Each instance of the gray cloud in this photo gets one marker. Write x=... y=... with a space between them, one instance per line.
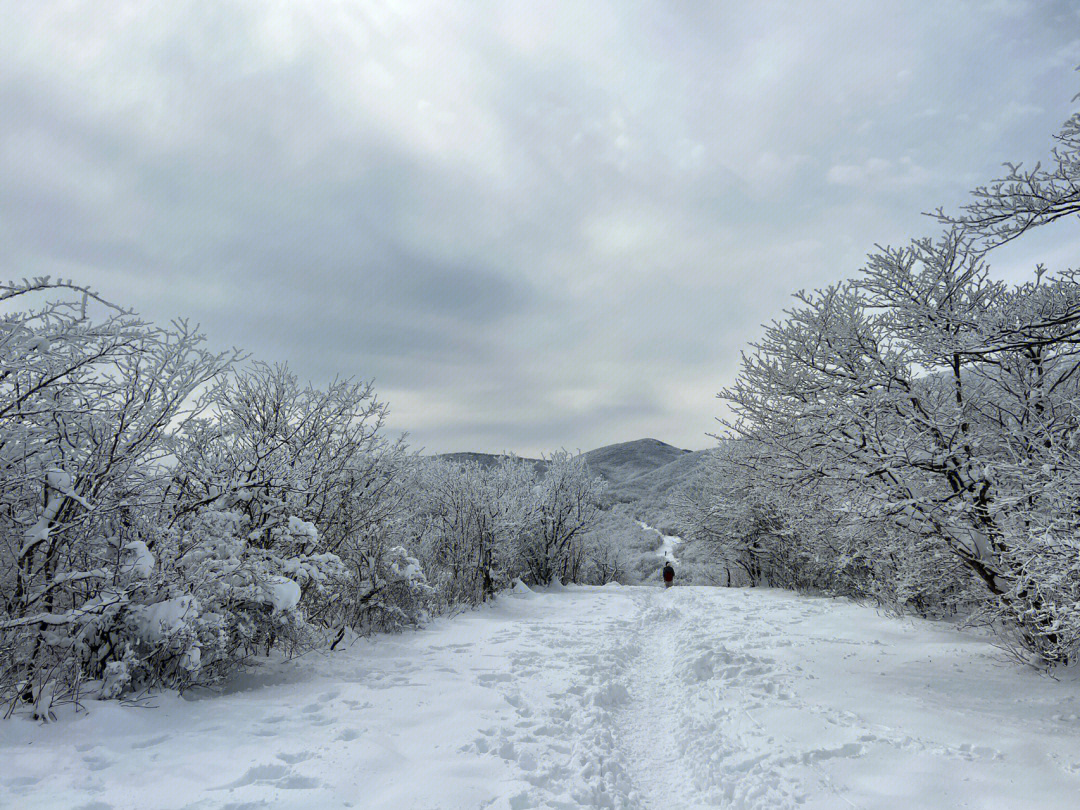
x=535 y=225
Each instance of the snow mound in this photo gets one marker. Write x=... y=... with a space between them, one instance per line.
x=522 y=591
x=281 y=593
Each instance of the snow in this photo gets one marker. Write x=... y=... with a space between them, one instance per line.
x=521 y=591
x=140 y=561
x=281 y=593
x=667 y=543
x=162 y=619
x=404 y=566
x=58 y=480
x=629 y=697
x=303 y=528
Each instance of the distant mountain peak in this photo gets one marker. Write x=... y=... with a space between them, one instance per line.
x=623 y=462
x=639 y=442
x=637 y=469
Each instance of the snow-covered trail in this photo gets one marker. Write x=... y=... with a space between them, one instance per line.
x=668 y=542
x=590 y=697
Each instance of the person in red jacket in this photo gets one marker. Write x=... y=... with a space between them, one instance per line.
x=669 y=575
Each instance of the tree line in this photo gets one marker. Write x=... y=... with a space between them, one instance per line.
x=911 y=434
x=167 y=512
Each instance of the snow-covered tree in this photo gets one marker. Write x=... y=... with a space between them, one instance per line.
x=89 y=396
x=310 y=475
x=164 y=515
x=473 y=517
x=930 y=397
x=566 y=504
x=1008 y=207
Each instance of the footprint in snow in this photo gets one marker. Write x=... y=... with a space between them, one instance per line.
x=150 y=742
x=96 y=762
x=279 y=776
x=297 y=782
x=258 y=775
x=495 y=677
x=293 y=759
x=22 y=781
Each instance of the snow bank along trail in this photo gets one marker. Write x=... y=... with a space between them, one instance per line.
x=590 y=698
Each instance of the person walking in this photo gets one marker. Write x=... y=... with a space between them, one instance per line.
x=669 y=574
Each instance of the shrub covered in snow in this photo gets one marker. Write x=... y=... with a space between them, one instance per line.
x=482 y=528
x=471 y=519
x=166 y=514
x=89 y=396
x=565 y=504
x=164 y=517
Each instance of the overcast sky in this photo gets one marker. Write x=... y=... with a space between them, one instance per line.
x=534 y=225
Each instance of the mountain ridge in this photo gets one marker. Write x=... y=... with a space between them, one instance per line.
x=617 y=463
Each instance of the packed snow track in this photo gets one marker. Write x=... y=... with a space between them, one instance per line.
x=589 y=698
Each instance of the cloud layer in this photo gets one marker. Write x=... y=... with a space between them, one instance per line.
x=533 y=224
